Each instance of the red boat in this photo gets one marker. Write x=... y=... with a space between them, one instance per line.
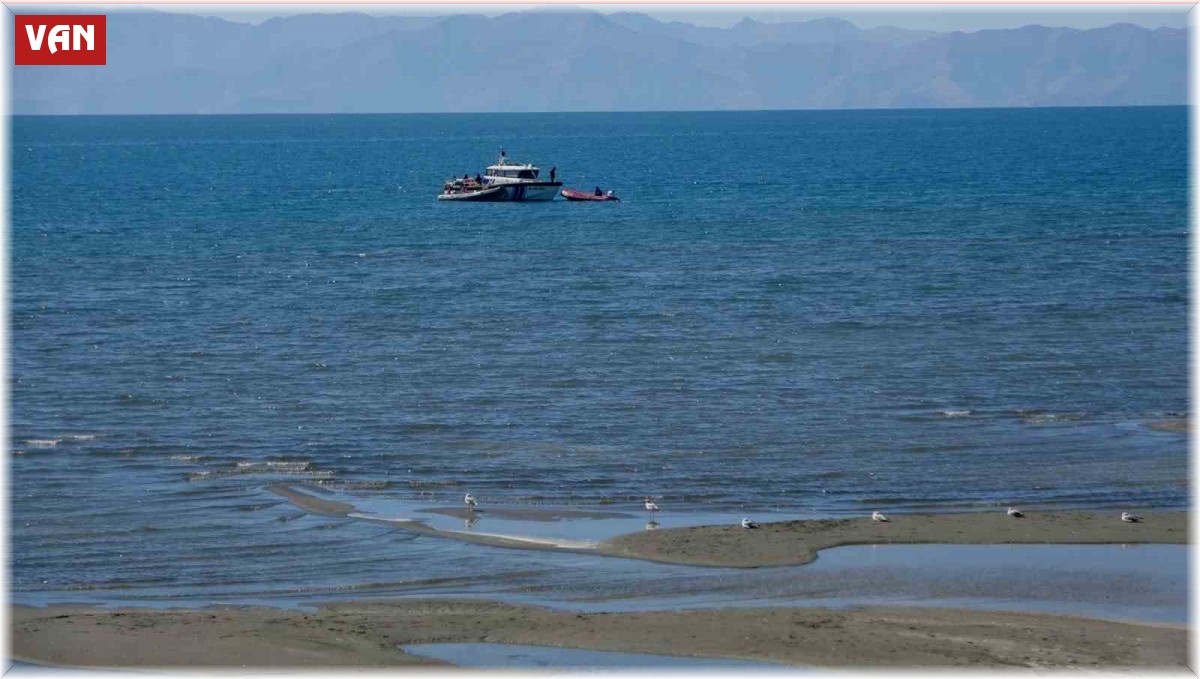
x=572 y=194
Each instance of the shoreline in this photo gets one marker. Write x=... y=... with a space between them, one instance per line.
x=368 y=634
x=795 y=543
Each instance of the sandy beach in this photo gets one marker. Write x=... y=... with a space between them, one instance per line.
x=367 y=635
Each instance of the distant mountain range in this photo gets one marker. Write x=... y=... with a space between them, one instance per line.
x=586 y=61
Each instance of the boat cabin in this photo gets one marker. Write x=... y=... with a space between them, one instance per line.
x=513 y=171
x=509 y=169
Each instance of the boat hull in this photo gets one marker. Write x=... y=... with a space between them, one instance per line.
x=483 y=195
x=530 y=191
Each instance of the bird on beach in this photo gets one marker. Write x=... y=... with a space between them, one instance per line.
x=1013 y=512
x=747 y=523
x=1130 y=518
x=878 y=516
x=469 y=501
x=651 y=507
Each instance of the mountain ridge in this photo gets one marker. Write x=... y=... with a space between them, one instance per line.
x=349 y=62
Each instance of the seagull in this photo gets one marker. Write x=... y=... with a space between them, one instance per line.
x=747 y=523
x=1014 y=513
x=1130 y=518
x=469 y=501
x=878 y=516
x=651 y=507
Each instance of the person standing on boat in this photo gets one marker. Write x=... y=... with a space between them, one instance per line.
x=552 y=171
x=598 y=192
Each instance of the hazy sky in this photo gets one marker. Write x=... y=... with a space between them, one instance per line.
x=968 y=17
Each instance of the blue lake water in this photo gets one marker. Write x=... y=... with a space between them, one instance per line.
x=792 y=313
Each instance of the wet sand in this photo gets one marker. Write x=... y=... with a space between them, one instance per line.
x=367 y=634
x=311 y=503
x=1179 y=426
x=523 y=513
x=492 y=539
x=793 y=543
x=324 y=507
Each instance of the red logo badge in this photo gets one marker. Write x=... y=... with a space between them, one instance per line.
x=60 y=40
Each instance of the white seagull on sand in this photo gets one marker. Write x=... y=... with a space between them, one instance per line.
x=1130 y=518
x=1013 y=512
x=878 y=516
x=747 y=523
x=469 y=501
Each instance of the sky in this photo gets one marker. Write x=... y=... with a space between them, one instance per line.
x=970 y=16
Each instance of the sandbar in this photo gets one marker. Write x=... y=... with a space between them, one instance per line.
x=310 y=503
x=792 y=543
x=366 y=634
x=1179 y=425
x=324 y=507
x=523 y=513
x=493 y=539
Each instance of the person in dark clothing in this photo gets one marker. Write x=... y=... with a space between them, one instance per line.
x=598 y=193
x=478 y=179
x=552 y=171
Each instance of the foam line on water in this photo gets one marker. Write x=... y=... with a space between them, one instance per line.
x=554 y=542
x=498 y=539
x=372 y=517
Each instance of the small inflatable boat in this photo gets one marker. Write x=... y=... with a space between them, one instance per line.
x=572 y=194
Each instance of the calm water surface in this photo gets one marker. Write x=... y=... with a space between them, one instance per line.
x=793 y=312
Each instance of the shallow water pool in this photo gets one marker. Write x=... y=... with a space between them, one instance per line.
x=505 y=656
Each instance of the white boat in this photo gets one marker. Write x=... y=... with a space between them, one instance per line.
x=494 y=193
x=457 y=189
x=519 y=180
x=470 y=189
